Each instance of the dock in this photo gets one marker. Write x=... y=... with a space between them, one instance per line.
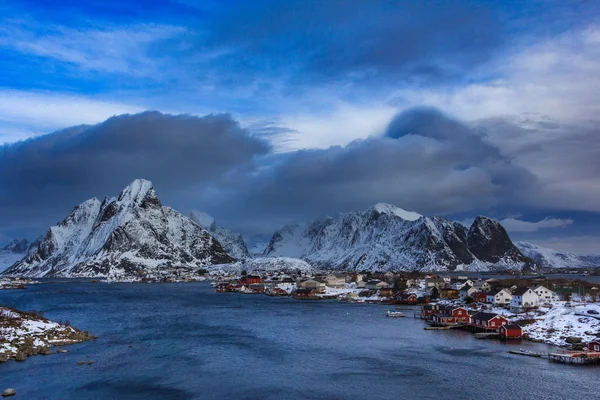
x=527 y=353
x=572 y=357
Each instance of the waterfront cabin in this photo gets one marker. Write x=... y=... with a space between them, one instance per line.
x=594 y=346
x=450 y=315
x=304 y=293
x=250 y=280
x=488 y=321
x=408 y=298
x=522 y=299
x=510 y=331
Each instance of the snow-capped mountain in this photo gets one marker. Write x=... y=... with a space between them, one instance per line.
x=549 y=258
x=131 y=235
x=232 y=242
x=15 y=251
x=385 y=237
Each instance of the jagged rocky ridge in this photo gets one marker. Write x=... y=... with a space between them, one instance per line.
x=131 y=235
x=233 y=243
x=385 y=237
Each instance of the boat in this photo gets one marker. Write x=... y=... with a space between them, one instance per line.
x=395 y=314
x=523 y=352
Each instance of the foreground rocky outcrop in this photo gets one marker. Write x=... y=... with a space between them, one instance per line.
x=132 y=235
x=24 y=334
x=385 y=237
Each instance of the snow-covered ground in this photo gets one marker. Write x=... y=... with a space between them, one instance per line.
x=554 y=325
x=25 y=334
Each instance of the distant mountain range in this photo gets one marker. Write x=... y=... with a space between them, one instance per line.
x=548 y=258
x=134 y=235
x=130 y=235
x=385 y=237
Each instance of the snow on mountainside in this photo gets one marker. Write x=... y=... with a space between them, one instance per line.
x=263 y=265
x=131 y=235
x=548 y=258
x=233 y=243
x=385 y=237
x=15 y=251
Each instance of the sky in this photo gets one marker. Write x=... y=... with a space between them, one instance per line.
x=265 y=112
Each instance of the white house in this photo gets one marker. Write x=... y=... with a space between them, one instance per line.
x=467 y=291
x=286 y=284
x=376 y=284
x=523 y=298
x=499 y=298
x=335 y=280
x=545 y=295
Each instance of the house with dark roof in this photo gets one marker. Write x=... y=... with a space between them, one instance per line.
x=488 y=321
x=510 y=331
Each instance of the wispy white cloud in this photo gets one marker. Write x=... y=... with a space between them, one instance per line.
x=516 y=225
x=108 y=49
x=27 y=114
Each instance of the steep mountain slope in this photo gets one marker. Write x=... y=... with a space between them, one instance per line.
x=15 y=251
x=385 y=237
x=232 y=242
x=548 y=258
x=131 y=235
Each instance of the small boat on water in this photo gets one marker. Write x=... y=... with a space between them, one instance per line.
x=523 y=352
x=395 y=314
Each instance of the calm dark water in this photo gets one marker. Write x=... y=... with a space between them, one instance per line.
x=188 y=342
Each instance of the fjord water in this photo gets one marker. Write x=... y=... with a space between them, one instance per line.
x=184 y=341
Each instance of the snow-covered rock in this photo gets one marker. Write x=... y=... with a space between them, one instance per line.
x=15 y=251
x=125 y=236
x=232 y=242
x=548 y=258
x=263 y=265
x=385 y=237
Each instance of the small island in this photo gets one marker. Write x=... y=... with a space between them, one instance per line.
x=24 y=334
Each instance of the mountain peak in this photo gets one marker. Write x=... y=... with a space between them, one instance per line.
x=137 y=191
x=389 y=209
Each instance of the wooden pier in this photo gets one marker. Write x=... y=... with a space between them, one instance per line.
x=575 y=357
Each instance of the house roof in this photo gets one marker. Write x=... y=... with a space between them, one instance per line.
x=520 y=291
x=484 y=316
x=511 y=326
x=466 y=287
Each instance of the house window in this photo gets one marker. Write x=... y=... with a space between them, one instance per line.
x=596 y=347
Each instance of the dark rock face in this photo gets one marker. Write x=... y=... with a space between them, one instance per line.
x=127 y=236
x=488 y=241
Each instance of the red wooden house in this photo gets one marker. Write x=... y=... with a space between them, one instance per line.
x=488 y=321
x=479 y=297
x=510 y=331
x=451 y=315
x=594 y=346
x=408 y=298
x=250 y=280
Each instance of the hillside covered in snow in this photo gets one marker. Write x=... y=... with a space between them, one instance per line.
x=385 y=237
x=549 y=258
x=15 y=251
x=130 y=235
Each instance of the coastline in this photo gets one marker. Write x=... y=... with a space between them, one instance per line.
x=25 y=334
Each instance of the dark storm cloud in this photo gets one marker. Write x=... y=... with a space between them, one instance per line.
x=356 y=40
x=427 y=162
x=43 y=178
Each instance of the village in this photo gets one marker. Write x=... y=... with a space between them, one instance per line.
x=560 y=312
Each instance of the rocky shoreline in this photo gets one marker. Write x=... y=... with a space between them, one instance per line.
x=24 y=334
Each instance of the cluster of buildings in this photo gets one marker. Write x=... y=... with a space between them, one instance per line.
x=517 y=298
